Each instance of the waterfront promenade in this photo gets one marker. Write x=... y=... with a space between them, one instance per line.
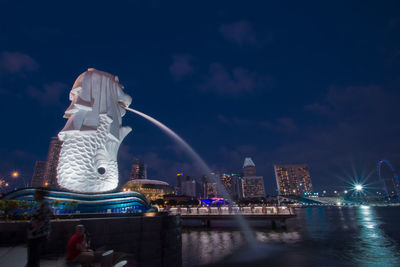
x=207 y=214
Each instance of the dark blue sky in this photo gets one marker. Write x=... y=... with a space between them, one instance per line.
x=295 y=82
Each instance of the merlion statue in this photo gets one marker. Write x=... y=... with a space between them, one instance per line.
x=93 y=133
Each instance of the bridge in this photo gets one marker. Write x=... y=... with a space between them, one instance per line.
x=206 y=214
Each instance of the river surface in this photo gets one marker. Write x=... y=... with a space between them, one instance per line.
x=318 y=236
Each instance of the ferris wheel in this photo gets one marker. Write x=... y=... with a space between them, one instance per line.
x=395 y=178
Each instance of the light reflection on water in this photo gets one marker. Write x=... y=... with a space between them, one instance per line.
x=336 y=236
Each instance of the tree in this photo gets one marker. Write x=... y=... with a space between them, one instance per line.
x=159 y=201
x=12 y=206
x=172 y=202
x=2 y=206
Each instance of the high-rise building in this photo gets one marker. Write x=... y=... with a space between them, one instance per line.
x=50 y=172
x=211 y=190
x=293 y=179
x=179 y=179
x=138 y=170
x=251 y=186
x=38 y=174
x=188 y=187
x=230 y=182
x=45 y=172
x=249 y=168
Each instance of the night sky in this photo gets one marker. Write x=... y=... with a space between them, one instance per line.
x=297 y=82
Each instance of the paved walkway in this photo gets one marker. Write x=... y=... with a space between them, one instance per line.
x=16 y=256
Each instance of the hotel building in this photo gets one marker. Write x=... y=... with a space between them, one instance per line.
x=293 y=179
x=251 y=186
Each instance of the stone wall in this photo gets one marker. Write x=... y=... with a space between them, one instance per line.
x=152 y=241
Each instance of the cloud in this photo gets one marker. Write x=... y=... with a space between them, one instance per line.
x=285 y=125
x=354 y=102
x=181 y=66
x=233 y=83
x=14 y=62
x=241 y=33
x=51 y=94
x=281 y=125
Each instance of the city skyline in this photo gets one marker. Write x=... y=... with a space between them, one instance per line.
x=283 y=84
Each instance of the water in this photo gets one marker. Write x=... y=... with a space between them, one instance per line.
x=320 y=236
x=204 y=167
x=334 y=236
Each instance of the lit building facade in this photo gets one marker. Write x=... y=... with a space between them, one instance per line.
x=38 y=174
x=45 y=172
x=231 y=184
x=251 y=186
x=50 y=171
x=249 y=168
x=179 y=179
x=151 y=189
x=293 y=179
x=188 y=188
x=138 y=170
x=211 y=190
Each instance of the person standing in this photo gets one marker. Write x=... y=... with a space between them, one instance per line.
x=39 y=228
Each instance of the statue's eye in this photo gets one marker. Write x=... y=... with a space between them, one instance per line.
x=101 y=170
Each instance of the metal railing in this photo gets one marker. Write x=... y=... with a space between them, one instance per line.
x=257 y=210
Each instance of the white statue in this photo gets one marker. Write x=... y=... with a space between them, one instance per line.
x=93 y=133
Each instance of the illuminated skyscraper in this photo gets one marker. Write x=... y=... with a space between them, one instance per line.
x=138 y=170
x=249 y=168
x=188 y=187
x=38 y=174
x=293 y=179
x=50 y=171
x=180 y=178
x=251 y=186
x=45 y=172
x=211 y=190
x=230 y=182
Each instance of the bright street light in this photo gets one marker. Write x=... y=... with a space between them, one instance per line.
x=358 y=187
x=14 y=174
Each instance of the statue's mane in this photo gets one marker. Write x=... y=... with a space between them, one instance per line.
x=93 y=93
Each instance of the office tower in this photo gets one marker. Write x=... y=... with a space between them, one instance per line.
x=251 y=186
x=45 y=172
x=179 y=179
x=293 y=179
x=229 y=181
x=38 y=174
x=138 y=170
x=188 y=187
x=211 y=190
x=202 y=187
x=50 y=170
x=249 y=168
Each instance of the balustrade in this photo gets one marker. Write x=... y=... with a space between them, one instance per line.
x=258 y=210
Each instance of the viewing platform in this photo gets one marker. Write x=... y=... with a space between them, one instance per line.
x=206 y=214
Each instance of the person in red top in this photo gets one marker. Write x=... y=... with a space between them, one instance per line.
x=78 y=248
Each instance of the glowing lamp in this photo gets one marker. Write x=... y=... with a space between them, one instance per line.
x=358 y=187
x=14 y=174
